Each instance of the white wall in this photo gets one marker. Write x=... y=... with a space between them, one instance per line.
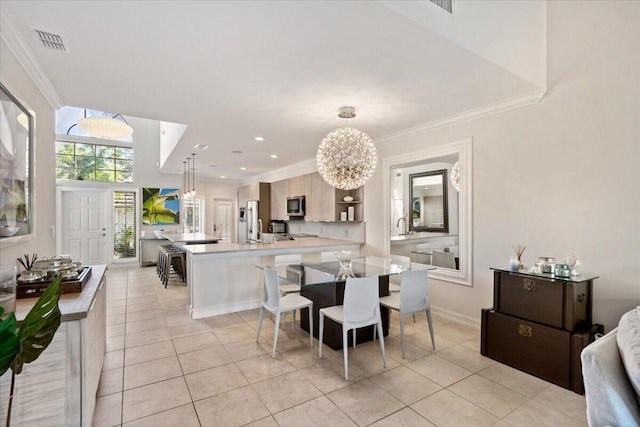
x=15 y=79
x=508 y=33
x=559 y=177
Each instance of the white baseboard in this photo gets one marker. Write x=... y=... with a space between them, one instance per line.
x=457 y=317
x=200 y=313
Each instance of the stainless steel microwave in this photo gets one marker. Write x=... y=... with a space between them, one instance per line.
x=295 y=206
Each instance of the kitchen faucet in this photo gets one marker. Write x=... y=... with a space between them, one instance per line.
x=404 y=228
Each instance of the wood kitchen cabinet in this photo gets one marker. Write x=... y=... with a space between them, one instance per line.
x=59 y=388
x=322 y=201
x=296 y=186
x=279 y=191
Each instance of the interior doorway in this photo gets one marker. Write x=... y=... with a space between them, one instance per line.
x=223 y=219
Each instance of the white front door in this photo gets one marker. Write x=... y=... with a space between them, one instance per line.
x=223 y=220
x=84 y=226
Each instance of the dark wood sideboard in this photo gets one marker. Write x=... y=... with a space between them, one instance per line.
x=539 y=324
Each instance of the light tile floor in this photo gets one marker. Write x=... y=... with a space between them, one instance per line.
x=164 y=369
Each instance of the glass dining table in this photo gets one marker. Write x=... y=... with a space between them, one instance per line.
x=323 y=283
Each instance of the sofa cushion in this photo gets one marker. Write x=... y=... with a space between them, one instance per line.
x=628 y=339
x=611 y=399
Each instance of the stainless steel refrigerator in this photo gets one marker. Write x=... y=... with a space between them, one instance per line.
x=254 y=231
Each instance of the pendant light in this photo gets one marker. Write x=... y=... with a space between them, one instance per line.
x=346 y=157
x=193 y=173
x=106 y=127
x=185 y=187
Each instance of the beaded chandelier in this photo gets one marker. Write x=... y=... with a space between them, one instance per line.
x=346 y=157
x=455 y=176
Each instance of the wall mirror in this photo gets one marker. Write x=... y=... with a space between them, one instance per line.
x=415 y=182
x=428 y=196
x=17 y=133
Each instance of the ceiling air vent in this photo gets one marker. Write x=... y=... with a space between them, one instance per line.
x=444 y=4
x=50 y=40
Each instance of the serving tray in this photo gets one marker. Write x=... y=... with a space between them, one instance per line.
x=68 y=286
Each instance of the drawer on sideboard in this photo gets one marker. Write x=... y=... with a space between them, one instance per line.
x=531 y=347
x=552 y=302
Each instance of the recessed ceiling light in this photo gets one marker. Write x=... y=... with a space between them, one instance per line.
x=259 y=138
x=222 y=176
x=236 y=152
x=243 y=168
x=201 y=146
x=274 y=156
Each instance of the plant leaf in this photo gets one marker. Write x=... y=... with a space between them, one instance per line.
x=39 y=327
x=9 y=344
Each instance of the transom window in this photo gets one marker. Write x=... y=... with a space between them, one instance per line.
x=93 y=162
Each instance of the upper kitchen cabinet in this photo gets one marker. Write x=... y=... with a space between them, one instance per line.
x=320 y=198
x=322 y=201
x=279 y=192
x=296 y=186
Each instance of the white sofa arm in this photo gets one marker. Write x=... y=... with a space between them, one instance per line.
x=611 y=400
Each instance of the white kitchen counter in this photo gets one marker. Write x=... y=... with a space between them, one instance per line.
x=224 y=278
x=284 y=247
x=190 y=238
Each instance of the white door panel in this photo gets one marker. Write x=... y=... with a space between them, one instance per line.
x=223 y=220
x=84 y=232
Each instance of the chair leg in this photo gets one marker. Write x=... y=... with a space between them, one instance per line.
x=260 y=323
x=414 y=318
x=433 y=342
x=402 y=333
x=345 y=352
x=384 y=356
x=275 y=335
x=321 y=334
x=311 y=326
x=294 y=322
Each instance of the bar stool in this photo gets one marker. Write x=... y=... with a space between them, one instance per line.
x=171 y=257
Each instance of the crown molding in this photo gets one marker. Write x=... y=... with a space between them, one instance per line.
x=10 y=35
x=467 y=116
x=301 y=168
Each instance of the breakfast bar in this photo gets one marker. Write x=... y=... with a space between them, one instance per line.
x=222 y=278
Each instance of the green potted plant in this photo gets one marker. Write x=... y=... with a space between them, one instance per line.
x=24 y=344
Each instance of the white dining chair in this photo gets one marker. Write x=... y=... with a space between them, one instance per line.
x=444 y=259
x=394 y=281
x=413 y=298
x=273 y=302
x=361 y=307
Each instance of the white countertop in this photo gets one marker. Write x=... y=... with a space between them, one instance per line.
x=72 y=306
x=300 y=243
x=422 y=235
x=189 y=237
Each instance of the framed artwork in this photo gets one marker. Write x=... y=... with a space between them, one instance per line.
x=17 y=136
x=160 y=206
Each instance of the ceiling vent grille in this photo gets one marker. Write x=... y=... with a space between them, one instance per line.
x=444 y=4
x=50 y=40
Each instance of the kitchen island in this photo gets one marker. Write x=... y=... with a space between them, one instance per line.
x=180 y=239
x=59 y=389
x=223 y=278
